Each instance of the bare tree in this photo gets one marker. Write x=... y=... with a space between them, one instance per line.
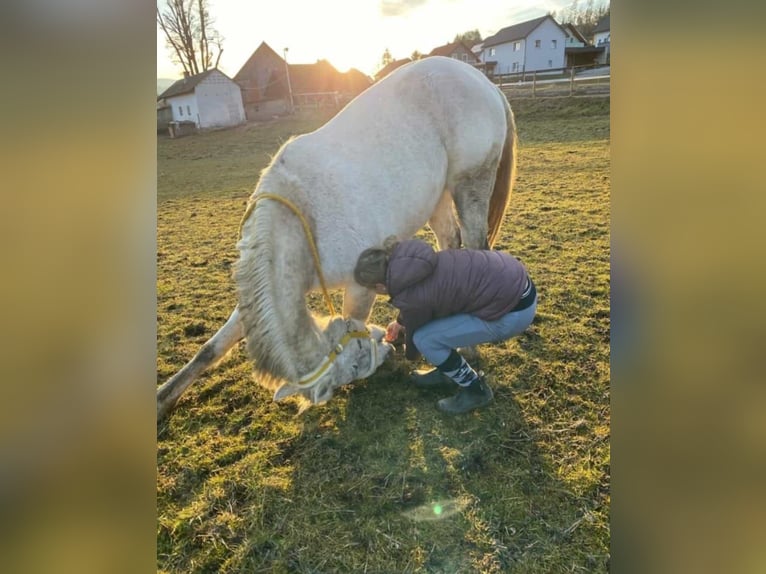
x=190 y=35
x=585 y=17
x=471 y=37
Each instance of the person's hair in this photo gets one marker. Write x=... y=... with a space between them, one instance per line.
x=372 y=264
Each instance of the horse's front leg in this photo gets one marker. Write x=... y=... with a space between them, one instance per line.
x=357 y=302
x=211 y=352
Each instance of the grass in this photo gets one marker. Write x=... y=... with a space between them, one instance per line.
x=377 y=480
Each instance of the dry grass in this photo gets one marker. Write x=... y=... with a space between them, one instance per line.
x=246 y=485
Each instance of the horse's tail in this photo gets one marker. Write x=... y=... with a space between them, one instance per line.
x=506 y=174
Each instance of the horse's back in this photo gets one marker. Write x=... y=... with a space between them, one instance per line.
x=381 y=165
x=435 y=102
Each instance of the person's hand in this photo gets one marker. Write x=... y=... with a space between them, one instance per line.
x=393 y=331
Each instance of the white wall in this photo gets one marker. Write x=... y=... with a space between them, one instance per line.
x=600 y=37
x=603 y=39
x=220 y=102
x=506 y=57
x=546 y=56
x=184 y=108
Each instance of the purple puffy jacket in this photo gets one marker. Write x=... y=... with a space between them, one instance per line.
x=426 y=285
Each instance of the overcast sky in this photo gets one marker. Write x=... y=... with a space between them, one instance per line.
x=352 y=33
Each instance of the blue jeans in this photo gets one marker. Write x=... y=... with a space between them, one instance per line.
x=437 y=339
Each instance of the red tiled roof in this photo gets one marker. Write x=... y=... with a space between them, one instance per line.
x=449 y=49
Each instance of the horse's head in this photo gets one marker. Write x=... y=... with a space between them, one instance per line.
x=356 y=351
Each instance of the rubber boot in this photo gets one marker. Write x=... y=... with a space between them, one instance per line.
x=476 y=395
x=430 y=379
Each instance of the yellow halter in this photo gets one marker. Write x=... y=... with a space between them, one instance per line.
x=306 y=229
x=309 y=380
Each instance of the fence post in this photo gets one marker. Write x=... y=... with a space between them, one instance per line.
x=571 y=81
x=534 y=84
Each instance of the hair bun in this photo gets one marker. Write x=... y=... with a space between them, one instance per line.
x=389 y=243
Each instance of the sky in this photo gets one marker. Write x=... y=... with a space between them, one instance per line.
x=351 y=33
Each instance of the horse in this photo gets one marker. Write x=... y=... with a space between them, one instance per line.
x=433 y=142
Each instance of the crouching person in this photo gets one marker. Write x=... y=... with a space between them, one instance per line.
x=447 y=300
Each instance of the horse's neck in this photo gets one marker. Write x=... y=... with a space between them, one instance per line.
x=273 y=274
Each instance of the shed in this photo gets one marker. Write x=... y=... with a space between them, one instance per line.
x=209 y=100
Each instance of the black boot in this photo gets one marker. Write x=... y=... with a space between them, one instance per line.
x=475 y=396
x=430 y=379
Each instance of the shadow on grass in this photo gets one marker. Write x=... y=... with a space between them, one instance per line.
x=381 y=480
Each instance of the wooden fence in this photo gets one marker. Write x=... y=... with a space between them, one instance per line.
x=561 y=82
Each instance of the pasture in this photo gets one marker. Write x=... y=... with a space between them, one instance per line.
x=378 y=480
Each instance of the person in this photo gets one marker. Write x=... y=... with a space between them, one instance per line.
x=447 y=300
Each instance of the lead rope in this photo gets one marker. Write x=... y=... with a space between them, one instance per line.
x=311 y=378
x=306 y=229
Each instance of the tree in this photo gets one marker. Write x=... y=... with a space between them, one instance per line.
x=584 y=18
x=469 y=38
x=416 y=55
x=386 y=59
x=190 y=35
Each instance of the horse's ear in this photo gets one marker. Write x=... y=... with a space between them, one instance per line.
x=286 y=390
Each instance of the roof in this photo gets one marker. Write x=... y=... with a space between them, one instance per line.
x=602 y=25
x=449 y=49
x=316 y=78
x=516 y=32
x=187 y=85
x=262 y=50
x=574 y=32
x=390 y=67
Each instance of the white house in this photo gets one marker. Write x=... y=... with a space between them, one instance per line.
x=574 y=38
x=210 y=100
x=535 y=45
x=602 y=37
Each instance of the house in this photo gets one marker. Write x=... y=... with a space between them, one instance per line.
x=390 y=67
x=208 y=100
x=164 y=116
x=456 y=50
x=487 y=67
x=534 y=45
x=602 y=38
x=574 y=38
x=578 y=51
x=271 y=86
x=264 y=70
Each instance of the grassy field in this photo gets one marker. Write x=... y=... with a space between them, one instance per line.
x=378 y=480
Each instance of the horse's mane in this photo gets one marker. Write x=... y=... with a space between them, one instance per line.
x=271 y=337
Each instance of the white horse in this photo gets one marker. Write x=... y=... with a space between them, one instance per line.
x=434 y=142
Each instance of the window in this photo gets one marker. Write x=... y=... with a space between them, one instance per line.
x=181 y=110
x=554 y=43
x=537 y=43
x=188 y=110
x=516 y=46
x=491 y=51
x=515 y=67
x=550 y=63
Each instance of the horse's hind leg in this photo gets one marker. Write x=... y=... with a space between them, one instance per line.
x=471 y=193
x=211 y=352
x=444 y=224
x=357 y=302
